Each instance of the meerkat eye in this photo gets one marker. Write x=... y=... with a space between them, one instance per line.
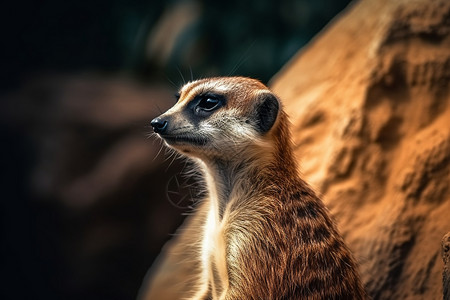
x=205 y=104
x=208 y=103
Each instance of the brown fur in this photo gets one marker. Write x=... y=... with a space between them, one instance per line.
x=266 y=234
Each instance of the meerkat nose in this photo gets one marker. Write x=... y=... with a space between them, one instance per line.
x=159 y=125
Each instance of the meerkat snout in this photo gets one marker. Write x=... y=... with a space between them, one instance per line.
x=159 y=125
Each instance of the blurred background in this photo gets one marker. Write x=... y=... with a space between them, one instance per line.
x=88 y=195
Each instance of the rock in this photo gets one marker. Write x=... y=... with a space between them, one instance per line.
x=369 y=100
x=445 y=252
x=378 y=148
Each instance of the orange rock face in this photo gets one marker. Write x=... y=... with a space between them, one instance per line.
x=370 y=106
x=369 y=100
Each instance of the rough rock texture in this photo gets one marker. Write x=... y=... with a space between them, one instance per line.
x=370 y=106
x=446 y=258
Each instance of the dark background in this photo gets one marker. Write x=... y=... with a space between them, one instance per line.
x=87 y=201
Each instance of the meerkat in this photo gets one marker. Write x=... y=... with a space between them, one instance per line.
x=265 y=234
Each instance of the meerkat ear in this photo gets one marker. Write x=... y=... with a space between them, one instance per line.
x=266 y=111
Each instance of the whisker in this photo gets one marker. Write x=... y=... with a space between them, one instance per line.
x=160 y=149
x=171 y=82
x=181 y=74
x=192 y=74
x=159 y=108
x=241 y=60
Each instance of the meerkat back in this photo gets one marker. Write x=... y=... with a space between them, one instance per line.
x=261 y=233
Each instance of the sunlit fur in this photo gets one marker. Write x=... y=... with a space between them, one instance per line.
x=264 y=234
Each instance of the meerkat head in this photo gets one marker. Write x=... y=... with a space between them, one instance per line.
x=219 y=117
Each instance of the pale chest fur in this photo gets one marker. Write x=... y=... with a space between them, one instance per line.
x=213 y=254
x=216 y=242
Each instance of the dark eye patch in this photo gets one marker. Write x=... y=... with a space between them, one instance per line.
x=205 y=104
x=208 y=103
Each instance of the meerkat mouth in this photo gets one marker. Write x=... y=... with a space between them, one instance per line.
x=185 y=139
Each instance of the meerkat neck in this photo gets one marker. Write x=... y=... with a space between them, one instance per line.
x=249 y=171
x=219 y=177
